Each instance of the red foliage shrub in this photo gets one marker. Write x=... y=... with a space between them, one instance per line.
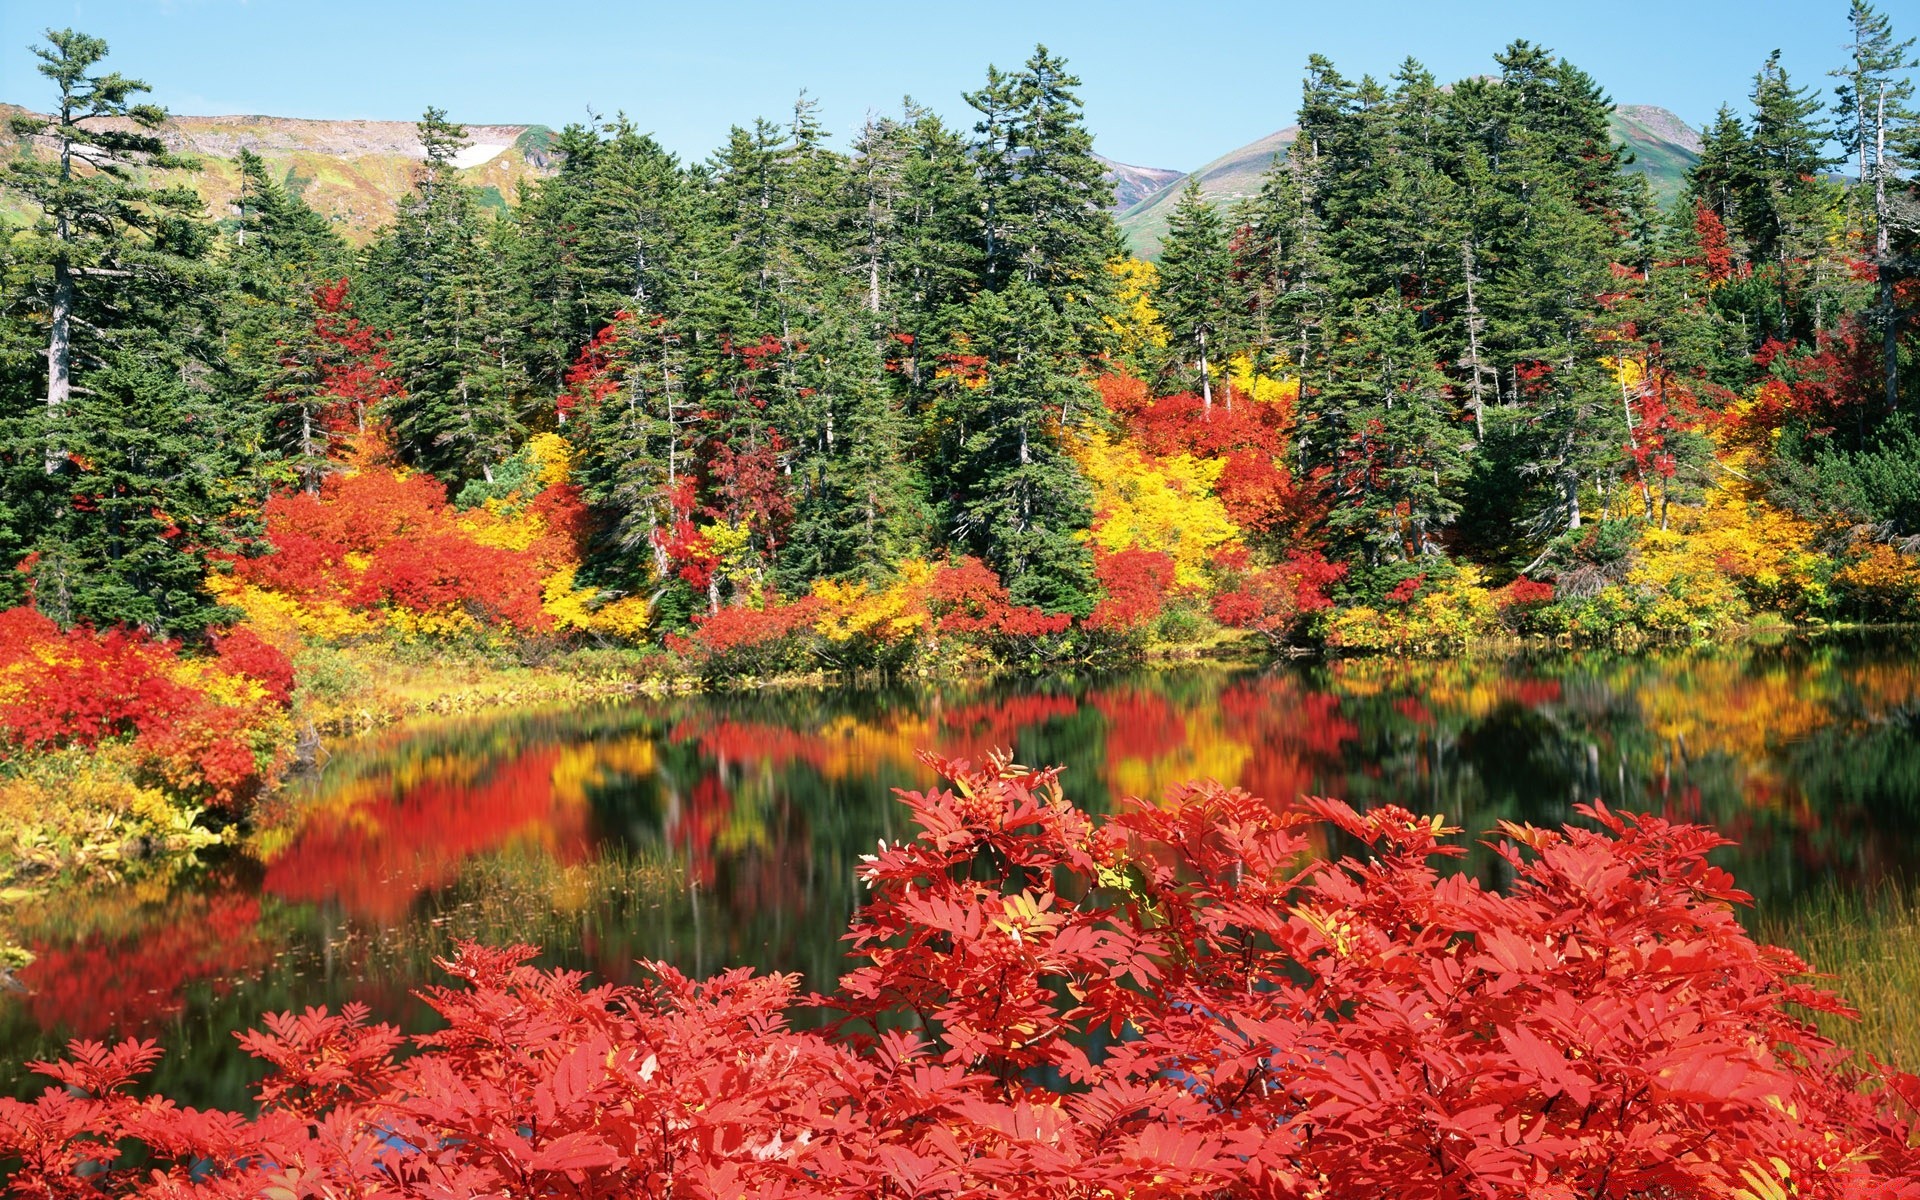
x=1716 y=255
x=450 y=571
x=82 y=687
x=968 y=599
x=1277 y=600
x=311 y=536
x=416 y=556
x=1524 y=591
x=1406 y=589
x=1180 y=1002
x=1136 y=583
x=738 y=640
x=242 y=652
x=1823 y=386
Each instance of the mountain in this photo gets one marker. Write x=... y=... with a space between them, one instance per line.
x=351 y=172
x=1226 y=179
x=1133 y=184
x=355 y=172
x=1664 y=149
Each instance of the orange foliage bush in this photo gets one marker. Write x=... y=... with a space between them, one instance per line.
x=382 y=542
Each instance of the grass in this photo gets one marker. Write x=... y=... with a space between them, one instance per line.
x=366 y=687
x=1869 y=944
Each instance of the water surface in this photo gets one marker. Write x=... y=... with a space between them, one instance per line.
x=719 y=831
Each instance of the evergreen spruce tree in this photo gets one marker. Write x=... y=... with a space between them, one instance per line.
x=445 y=285
x=634 y=433
x=1782 y=197
x=98 y=227
x=857 y=508
x=609 y=232
x=281 y=254
x=1874 y=122
x=1013 y=496
x=1396 y=449
x=1194 y=290
x=122 y=459
x=155 y=497
x=1718 y=179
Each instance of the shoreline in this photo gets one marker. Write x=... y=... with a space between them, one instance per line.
x=402 y=690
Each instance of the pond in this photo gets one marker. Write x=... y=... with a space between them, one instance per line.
x=726 y=830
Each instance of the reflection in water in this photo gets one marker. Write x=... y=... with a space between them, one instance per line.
x=720 y=831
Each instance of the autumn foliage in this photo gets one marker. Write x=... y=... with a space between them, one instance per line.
x=380 y=549
x=1179 y=1001
x=205 y=728
x=1137 y=584
x=1276 y=601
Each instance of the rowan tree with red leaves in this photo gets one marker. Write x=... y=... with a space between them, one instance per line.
x=1179 y=1001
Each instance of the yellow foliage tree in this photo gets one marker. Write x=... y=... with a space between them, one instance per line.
x=858 y=610
x=1166 y=504
x=1264 y=389
x=1135 y=322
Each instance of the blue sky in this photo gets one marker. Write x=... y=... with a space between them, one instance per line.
x=1169 y=84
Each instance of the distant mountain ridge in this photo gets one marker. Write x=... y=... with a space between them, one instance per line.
x=1664 y=147
x=355 y=172
x=351 y=172
x=1133 y=184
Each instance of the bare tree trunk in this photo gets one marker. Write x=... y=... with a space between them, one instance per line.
x=306 y=450
x=59 y=355
x=1474 y=366
x=60 y=326
x=1633 y=443
x=1206 y=378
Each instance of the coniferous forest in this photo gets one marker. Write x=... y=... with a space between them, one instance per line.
x=1451 y=350
x=1451 y=380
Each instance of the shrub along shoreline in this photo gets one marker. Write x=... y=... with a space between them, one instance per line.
x=119 y=748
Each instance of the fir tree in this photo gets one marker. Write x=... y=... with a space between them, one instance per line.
x=1194 y=286
x=447 y=288
x=1012 y=495
x=98 y=228
x=126 y=468
x=1394 y=445
x=1873 y=123
x=609 y=232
